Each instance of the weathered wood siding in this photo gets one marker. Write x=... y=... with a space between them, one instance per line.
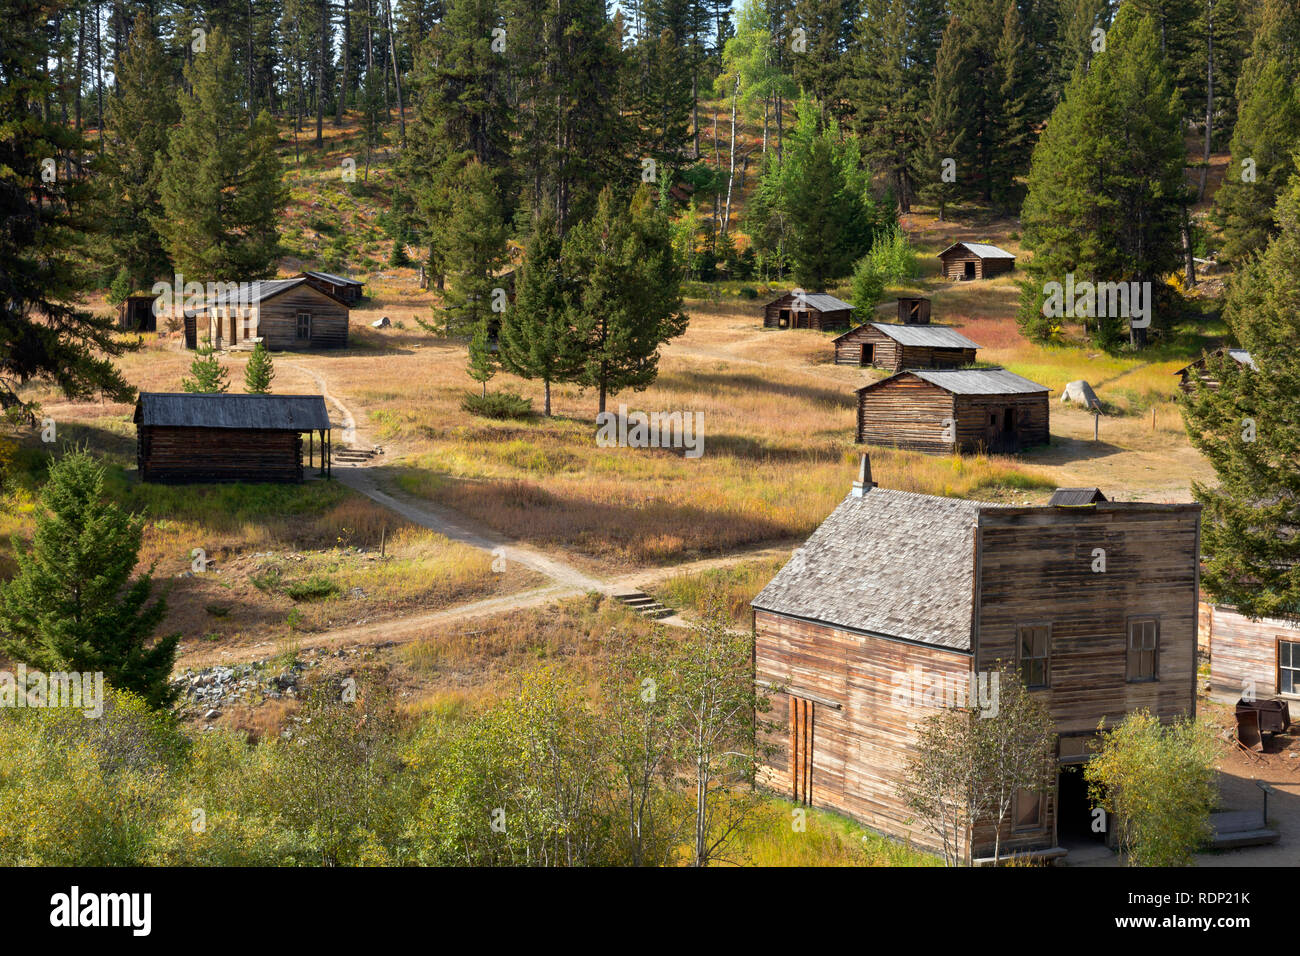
x=914 y=310
x=953 y=265
x=277 y=320
x=1036 y=567
x=867 y=696
x=905 y=413
x=976 y=431
x=889 y=354
x=178 y=455
x=1243 y=652
x=862 y=736
x=806 y=318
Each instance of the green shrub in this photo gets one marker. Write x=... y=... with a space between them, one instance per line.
x=315 y=588
x=497 y=405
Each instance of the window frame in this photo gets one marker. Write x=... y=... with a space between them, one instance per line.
x=1293 y=666
x=1046 y=658
x=1039 y=814
x=299 y=325
x=1129 y=678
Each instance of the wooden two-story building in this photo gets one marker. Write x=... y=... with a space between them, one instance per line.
x=896 y=589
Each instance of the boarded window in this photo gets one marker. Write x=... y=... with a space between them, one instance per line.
x=1143 y=648
x=801 y=747
x=1028 y=810
x=1032 y=652
x=1288 y=667
x=304 y=325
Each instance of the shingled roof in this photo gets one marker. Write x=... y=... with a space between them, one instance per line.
x=892 y=563
x=201 y=410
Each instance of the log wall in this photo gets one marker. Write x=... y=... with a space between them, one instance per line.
x=180 y=455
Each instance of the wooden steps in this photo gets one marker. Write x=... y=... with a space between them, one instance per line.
x=644 y=604
x=353 y=456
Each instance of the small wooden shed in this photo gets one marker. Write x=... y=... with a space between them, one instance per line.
x=897 y=347
x=914 y=310
x=974 y=260
x=282 y=314
x=1257 y=657
x=807 y=310
x=185 y=437
x=348 y=290
x=945 y=411
x=1198 y=370
x=1076 y=497
x=136 y=314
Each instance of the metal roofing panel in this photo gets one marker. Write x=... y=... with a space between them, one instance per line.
x=933 y=336
x=201 y=410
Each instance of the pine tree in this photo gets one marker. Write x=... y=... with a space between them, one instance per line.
x=1013 y=123
x=473 y=246
x=631 y=301
x=208 y=374
x=537 y=338
x=141 y=114
x=829 y=230
x=939 y=172
x=258 y=373
x=1248 y=430
x=1106 y=186
x=1266 y=135
x=73 y=603
x=45 y=219
x=222 y=191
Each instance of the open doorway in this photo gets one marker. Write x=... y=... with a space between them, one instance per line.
x=868 y=354
x=969 y=270
x=1075 y=818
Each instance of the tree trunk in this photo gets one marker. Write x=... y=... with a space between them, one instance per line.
x=547 y=385
x=1209 y=97
x=731 y=176
x=320 y=74
x=343 y=83
x=397 y=79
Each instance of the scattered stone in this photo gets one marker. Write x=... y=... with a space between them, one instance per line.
x=381 y=323
x=213 y=714
x=1080 y=393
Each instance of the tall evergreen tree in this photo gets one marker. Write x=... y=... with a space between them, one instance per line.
x=474 y=244
x=630 y=303
x=938 y=173
x=222 y=190
x=1106 y=187
x=537 y=338
x=74 y=603
x=1266 y=135
x=45 y=217
x=141 y=115
x=1248 y=430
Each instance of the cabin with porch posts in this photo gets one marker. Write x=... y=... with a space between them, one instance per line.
x=184 y=437
x=807 y=310
x=282 y=314
x=948 y=411
x=897 y=347
x=901 y=602
x=974 y=260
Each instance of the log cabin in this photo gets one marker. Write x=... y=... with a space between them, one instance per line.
x=951 y=411
x=913 y=310
x=184 y=437
x=1198 y=371
x=807 y=310
x=282 y=314
x=974 y=260
x=899 y=598
x=1253 y=657
x=346 y=290
x=136 y=314
x=897 y=347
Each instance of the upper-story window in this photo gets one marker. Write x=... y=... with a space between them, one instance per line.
x=1033 y=651
x=1143 y=649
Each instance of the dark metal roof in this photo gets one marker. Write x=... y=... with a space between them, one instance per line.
x=1073 y=497
x=889 y=562
x=970 y=381
x=330 y=277
x=818 y=301
x=298 y=413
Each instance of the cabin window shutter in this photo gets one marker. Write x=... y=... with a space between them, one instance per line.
x=1143 y=649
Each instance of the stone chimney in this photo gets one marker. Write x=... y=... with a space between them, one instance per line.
x=863 y=484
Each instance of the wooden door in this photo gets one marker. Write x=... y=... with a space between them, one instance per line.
x=802 y=723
